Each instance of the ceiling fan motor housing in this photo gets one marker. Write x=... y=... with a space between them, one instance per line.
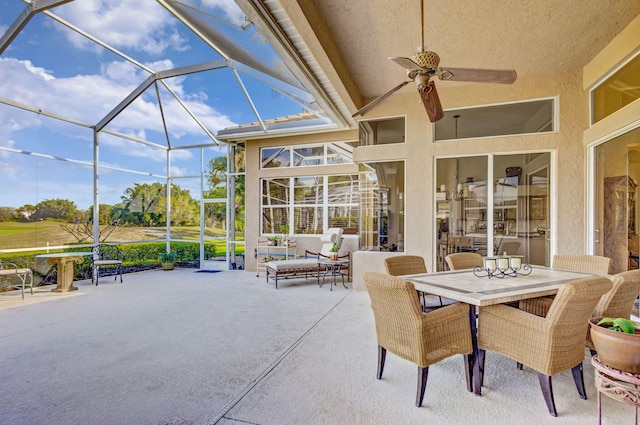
x=426 y=59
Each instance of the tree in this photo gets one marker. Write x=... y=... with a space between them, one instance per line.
x=6 y=213
x=60 y=209
x=104 y=214
x=141 y=202
x=184 y=209
x=82 y=229
x=25 y=212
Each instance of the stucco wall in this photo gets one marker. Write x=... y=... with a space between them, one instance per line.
x=567 y=147
x=420 y=151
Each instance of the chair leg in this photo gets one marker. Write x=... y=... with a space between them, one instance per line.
x=468 y=371
x=518 y=365
x=382 y=355
x=547 y=393
x=423 y=373
x=578 y=378
x=481 y=357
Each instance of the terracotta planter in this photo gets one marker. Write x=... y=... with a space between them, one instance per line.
x=616 y=349
x=333 y=256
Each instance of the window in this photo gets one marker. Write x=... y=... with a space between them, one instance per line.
x=617 y=91
x=382 y=206
x=311 y=203
x=528 y=117
x=381 y=132
x=307 y=155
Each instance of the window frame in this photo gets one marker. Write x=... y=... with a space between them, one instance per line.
x=292 y=206
x=555 y=124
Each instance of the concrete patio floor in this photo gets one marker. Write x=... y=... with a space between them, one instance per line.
x=226 y=348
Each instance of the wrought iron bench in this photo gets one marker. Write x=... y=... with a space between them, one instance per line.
x=13 y=270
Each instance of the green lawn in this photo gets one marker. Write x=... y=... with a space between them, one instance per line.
x=22 y=235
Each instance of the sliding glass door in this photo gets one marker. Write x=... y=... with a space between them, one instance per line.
x=493 y=204
x=616 y=176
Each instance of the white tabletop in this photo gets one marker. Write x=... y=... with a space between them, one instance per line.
x=464 y=286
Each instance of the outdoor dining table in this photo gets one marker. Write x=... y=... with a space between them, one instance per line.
x=466 y=287
x=64 y=262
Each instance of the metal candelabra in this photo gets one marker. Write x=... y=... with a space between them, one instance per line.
x=502 y=266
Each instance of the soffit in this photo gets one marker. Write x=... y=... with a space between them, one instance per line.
x=534 y=38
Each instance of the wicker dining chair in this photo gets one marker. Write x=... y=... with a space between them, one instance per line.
x=422 y=338
x=463 y=260
x=581 y=263
x=398 y=265
x=550 y=344
x=618 y=302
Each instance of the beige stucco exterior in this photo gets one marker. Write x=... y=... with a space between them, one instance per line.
x=568 y=147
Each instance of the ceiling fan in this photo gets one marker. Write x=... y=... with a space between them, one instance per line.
x=423 y=66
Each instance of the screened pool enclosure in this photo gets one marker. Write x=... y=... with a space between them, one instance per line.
x=122 y=121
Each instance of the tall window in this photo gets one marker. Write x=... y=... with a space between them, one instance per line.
x=311 y=203
x=382 y=206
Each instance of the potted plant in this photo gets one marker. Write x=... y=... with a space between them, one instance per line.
x=273 y=241
x=617 y=342
x=168 y=260
x=334 y=252
x=284 y=229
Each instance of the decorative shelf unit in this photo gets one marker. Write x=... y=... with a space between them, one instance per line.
x=619 y=222
x=266 y=251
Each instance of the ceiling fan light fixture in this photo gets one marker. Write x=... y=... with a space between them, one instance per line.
x=422 y=82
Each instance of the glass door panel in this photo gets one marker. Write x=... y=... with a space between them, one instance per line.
x=521 y=206
x=215 y=236
x=617 y=173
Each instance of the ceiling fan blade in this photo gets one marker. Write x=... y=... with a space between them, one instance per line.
x=408 y=64
x=500 y=76
x=379 y=99
x=431 y=102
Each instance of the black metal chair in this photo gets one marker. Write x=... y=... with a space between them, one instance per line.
x=106 y=257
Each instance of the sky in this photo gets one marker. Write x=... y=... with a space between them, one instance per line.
x=55 y=69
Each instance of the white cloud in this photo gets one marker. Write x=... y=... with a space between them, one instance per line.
x=88 y=98
x=230 y=9
x=141 y=25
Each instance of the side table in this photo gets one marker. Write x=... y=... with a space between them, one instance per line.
x=617 y=384
x=64 y=262
x=333 y=268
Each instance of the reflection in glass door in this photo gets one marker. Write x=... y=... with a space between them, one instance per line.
x=616 y=176
x=494 y=205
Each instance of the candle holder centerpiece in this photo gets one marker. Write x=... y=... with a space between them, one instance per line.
x=501 y=266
